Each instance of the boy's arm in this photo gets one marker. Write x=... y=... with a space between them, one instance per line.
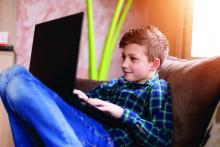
x=158 y=130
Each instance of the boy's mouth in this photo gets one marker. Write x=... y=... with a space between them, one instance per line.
x=126 y=72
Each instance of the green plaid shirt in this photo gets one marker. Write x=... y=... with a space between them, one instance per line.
x=147 y=111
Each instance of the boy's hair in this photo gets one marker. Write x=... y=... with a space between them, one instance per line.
x=156 y=42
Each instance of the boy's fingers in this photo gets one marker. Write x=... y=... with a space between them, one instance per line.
x=76 y=91
x=95 y=102
x=80 y=94
x=104 y=109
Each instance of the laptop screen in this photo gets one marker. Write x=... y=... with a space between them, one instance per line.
x=55 y=51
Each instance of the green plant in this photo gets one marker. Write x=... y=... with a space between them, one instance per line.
x=110 y=41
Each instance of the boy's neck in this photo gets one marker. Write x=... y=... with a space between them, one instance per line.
x=150 y=77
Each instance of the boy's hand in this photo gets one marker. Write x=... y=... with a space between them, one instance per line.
x=81 y=95
x=107 y=107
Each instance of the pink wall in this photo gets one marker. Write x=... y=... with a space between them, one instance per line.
x=31 y=12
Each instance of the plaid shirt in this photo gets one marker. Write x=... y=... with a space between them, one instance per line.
x=147 y=111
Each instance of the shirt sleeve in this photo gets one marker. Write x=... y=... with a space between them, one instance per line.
x=158 y=130
x=103 y=91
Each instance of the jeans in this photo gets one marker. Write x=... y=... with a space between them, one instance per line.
x=39 y=117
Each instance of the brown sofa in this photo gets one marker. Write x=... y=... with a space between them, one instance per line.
x=195 y=89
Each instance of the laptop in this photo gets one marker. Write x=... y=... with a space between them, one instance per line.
x=54 y=60
x=54 y=53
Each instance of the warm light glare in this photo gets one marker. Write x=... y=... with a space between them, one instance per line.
x=206 y=28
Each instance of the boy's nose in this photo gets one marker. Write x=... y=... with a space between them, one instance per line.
x=125 y=64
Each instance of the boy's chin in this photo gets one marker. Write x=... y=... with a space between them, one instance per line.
x=129 y=79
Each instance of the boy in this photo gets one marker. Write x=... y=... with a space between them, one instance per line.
x=138 y=99
x=143 y=102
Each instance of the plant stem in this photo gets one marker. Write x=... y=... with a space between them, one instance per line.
x=91 y=39
x=105 y=63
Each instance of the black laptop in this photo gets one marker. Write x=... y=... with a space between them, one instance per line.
x=55 y=53
x=54 y=59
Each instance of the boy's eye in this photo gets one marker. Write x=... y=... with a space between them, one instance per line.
x=123 y=57
x=134 y=59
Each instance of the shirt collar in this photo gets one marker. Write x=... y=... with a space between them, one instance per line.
x=148 y=82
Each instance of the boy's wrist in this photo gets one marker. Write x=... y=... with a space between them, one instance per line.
x=126 y=115
x=129 y=117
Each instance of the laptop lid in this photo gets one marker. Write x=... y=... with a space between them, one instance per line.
x=55 y=53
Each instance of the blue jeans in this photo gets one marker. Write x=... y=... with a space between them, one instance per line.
x=39 y=117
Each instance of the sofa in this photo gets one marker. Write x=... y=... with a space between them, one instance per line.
x=195 y=88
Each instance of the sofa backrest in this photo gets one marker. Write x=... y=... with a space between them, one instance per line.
x=195 y=90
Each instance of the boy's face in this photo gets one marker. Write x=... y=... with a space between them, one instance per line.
x=135 y=64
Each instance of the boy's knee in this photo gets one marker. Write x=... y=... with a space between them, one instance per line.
x=7 y=75
x=16 y=90
x=19 y=94
x=14 y=70
x=11 y=72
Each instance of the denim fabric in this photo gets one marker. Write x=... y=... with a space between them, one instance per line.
x=39 y=117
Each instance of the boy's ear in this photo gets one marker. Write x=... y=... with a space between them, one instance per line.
x=155 y=64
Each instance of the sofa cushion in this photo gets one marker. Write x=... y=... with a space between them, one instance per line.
x=212 y=135
x=195 y=90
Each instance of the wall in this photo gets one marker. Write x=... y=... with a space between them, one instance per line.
x=31 y=12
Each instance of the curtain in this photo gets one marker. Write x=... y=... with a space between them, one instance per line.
x=174 y=19
x=184 y=29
